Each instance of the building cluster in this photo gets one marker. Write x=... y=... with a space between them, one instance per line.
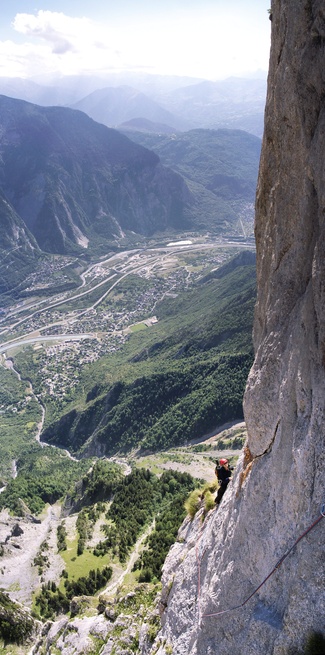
x=107 y=323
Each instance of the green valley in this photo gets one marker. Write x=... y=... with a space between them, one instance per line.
x=163 y=385
x=111 y=388
x=113 y=392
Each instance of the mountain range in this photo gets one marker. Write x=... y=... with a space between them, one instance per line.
x=215 y=163
x=233 y=103
x=70 y=185
x=236 y=103
x=53 y=90
x=114 y=105
x=74 y=182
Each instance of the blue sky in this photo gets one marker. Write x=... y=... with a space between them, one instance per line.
x=211 y=39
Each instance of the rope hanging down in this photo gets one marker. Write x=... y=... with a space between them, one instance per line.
x=278 y=564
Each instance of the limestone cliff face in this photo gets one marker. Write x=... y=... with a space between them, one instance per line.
x=278 y=489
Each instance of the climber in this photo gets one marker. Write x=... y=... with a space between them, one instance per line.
x=223 y=473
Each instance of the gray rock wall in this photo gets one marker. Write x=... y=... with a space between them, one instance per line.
x=278 y=487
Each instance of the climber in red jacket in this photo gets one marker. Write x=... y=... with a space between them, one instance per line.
x=223 y=473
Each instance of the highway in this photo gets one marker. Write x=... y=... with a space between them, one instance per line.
x=123 y=264
x=9 y=345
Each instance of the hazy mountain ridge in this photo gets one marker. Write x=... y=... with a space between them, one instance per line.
x=222 y=161
x=147 y=126
x=72 y=180
x=235 y=103
x=219 y=166
x=114 y=105
x=49 y=89
x=75 y=185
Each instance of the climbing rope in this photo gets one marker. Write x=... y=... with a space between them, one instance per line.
x=278 y=564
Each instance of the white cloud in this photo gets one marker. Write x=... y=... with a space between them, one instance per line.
x=20 y=60
x=182 y=42
x=57 y=42
x=61 y=32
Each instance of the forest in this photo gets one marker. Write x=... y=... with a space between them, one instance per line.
x=136 y=500
x=171 y=383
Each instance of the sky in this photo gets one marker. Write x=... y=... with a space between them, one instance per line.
x=210 y=39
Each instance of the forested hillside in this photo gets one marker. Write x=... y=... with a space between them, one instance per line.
x=219 y=167
x=175 y=382
x=224 y=162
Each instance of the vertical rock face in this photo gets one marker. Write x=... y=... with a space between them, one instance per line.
x=278 y=489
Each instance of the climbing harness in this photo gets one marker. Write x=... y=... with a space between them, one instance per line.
x=278 y=564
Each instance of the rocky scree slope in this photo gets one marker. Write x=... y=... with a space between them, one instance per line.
x=19 y=252
x=278 y=488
